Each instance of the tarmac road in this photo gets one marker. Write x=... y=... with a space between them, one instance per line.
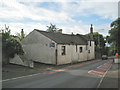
x=84 y=75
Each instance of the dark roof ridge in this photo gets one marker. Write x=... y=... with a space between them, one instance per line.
x=54 y=32
x=64 y=38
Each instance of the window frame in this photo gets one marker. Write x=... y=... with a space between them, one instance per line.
x=90 y=43
x=80 y=49
x=63 y=50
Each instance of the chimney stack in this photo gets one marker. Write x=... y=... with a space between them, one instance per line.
x=22 y=34
x=91 y=32
x=91 y=29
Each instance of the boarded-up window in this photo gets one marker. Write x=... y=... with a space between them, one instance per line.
x=63 y=50
x=81 y=49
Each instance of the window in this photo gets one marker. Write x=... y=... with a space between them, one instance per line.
x=90 y=43
x=63 y=50
x=81 y=49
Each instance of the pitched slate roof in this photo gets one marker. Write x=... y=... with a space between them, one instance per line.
x=65 y=38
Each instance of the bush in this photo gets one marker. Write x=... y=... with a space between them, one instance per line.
x=13 y=47
x=10 y=45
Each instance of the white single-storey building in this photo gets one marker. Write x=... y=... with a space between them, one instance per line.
x=57 y=48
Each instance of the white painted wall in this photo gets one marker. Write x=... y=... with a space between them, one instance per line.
x=63 y=59
x=73 y=56
x=36 y=47
x=91 y=55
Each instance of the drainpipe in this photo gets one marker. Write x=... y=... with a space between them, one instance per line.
x=87 y=51
x=56 y=54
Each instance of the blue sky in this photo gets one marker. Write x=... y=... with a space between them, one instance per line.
x=73 y=16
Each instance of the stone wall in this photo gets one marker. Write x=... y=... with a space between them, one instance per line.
x=19 y=61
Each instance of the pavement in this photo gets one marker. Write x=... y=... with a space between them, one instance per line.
x=112 y=77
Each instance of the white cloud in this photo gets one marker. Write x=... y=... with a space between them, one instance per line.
x=14 y=10
x=28 y=27
x=82 y=29
x=104 y=29
x=66 y=0
x=106 y=9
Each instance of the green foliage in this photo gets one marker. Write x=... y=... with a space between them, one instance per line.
x=98 y=38
x=52 y=28
x=16 y=37
x=19 y=36
x=113 y=38
x=115 y=23
x=10 y=44
x=99 y=42
x=112 y=49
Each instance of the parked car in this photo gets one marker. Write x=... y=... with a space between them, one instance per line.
x=104 y=57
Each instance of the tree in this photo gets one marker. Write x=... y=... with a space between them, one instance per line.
x=10 y=45
x=52 y=28
x=98 y=38
x=99 y=42
x=113 y=38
